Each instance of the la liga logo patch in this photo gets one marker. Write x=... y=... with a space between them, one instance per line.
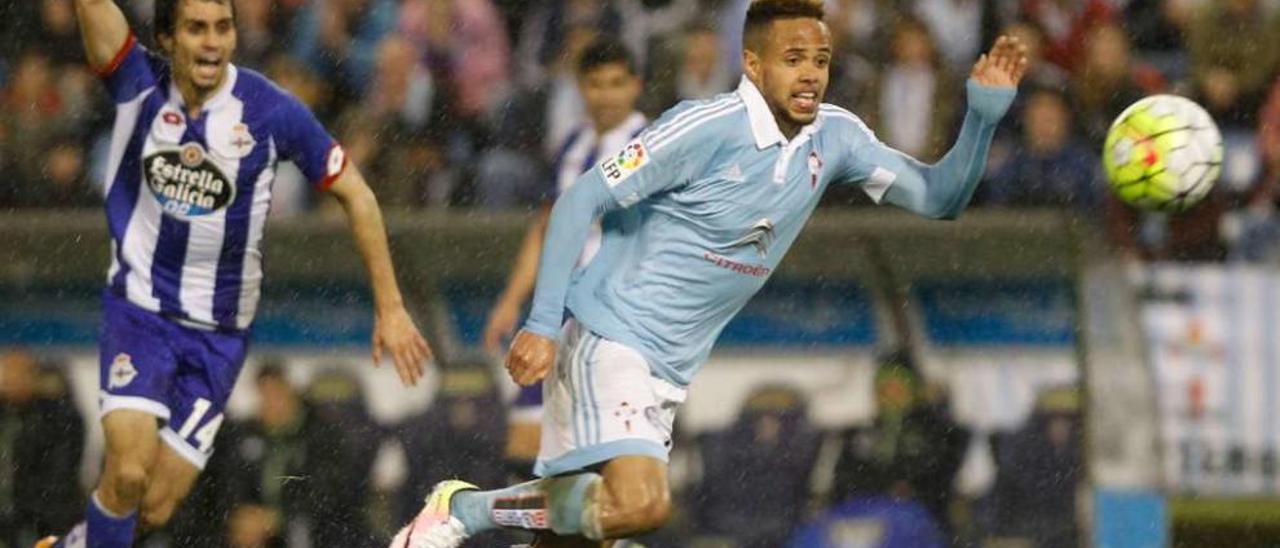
x=618 y=167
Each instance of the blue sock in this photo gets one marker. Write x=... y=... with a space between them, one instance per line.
x=105 y=530
x=561 y=504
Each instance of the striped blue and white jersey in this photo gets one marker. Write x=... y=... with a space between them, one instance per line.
x=186 y=198
x=581 y=151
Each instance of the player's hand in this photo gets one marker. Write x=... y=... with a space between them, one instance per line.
x=395 y=330
x=502 y=323
x=530 y=358
x=1003 y=66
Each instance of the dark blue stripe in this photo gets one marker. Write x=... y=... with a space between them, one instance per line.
x=226 y=292
x=166 y=266
x=123 y=196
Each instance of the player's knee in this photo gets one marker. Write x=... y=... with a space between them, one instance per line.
x=129 y=481
x=646 y=514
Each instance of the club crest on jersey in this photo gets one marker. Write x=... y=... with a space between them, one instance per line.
x=186 y=182
x=241 y=140
x=815 y=168
x=122 y=371
x=618 y=167
x=760 y=236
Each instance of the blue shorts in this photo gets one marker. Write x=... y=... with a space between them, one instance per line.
x=527 y=407
x=182 y=375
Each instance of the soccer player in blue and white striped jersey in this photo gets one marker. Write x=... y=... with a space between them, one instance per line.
x=696 y=212
x=193 y=156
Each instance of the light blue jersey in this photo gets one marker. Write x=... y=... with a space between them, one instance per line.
x=698 y=211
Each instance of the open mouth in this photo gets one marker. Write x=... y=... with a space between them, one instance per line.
x=207 y=67
x=804 y=101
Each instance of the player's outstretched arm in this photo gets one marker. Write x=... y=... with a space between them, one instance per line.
x=393 y=327
x=103 y=29
x=944 y=189
x=506 y=311
x=534 y=349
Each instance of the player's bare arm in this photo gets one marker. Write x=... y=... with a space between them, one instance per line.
x=103 y=29
x=393 y=327
x=530 y=358
x=524 y=274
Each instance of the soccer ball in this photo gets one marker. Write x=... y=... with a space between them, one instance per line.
x=1163 y=153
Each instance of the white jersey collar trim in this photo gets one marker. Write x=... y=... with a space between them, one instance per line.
x=764 y=127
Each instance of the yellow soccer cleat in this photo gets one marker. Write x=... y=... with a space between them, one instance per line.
x=435 y=527
x=46 y=542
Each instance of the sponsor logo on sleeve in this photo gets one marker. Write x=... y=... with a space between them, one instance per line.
x=337 y=159
x=619 y=167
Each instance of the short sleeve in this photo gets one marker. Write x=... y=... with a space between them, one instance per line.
x=661 y=158
x=132 y=71
x=301 y=139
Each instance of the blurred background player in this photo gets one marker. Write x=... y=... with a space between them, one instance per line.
x=696 y=212
x=193 y=157
x=610 y=86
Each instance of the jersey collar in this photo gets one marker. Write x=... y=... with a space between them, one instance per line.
x=763 y=125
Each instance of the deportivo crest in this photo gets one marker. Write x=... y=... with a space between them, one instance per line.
x=186 y=182
x=760 y=236
x=241 y=140
x=618 y=167
x=122 y=371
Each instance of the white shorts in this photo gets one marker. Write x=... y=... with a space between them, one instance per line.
x=601 y=402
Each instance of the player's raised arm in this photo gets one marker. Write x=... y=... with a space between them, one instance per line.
x=104 y=30
x=393 y=327
x=943 y=190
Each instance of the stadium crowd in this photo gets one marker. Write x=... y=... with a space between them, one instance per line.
x=463 y=103
x=301 y=469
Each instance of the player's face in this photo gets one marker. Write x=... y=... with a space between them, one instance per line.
x=610 y=92
x=792 y=70
x=202 y=43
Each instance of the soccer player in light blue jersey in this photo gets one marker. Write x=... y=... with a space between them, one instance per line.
x=194 y=151
x=696 y=213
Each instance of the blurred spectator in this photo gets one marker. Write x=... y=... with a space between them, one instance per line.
x=548 y=28
x=1234 y=50
x=298 y=471
x=1065 y=24
x=41 y=437
x=1104 y=86
x=701 y=72
x=58 y=35
x=910 y=452
x=911 y=103
x=1049 y=166
x=467 y=412
x=1158 y=29
x=962 y=29
x=40 y=138
x=1253 y=232
x=338 y=40
x=465 y=45
x=1040 y=468
x=256 y=37
x=756 y=473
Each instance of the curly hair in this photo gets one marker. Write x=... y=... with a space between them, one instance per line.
x=763 y=12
